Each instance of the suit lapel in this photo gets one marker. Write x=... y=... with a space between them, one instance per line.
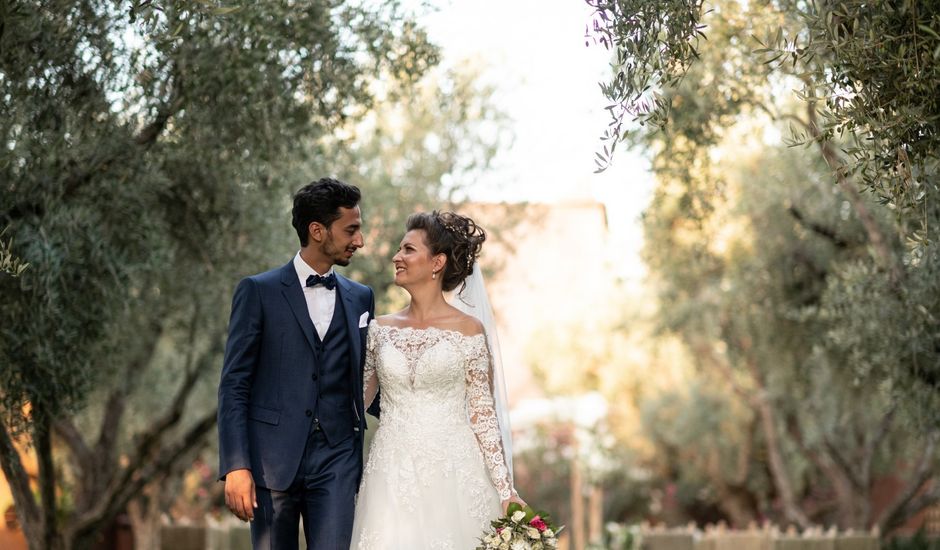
x=352 y=321
x=294 y=295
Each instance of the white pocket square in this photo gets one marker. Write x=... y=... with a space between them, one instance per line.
x=364 y=320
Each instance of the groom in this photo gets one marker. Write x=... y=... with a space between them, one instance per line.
x=291 y=416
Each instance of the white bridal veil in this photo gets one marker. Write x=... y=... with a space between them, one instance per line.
x=474 y=301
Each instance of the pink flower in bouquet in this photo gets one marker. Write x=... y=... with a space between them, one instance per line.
x=538 y=523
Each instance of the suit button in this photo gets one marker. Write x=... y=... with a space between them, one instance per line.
x=314 y=376
x=308 y=412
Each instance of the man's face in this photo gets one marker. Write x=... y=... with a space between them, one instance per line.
x=344 y=236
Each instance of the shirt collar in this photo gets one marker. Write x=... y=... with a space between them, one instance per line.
x=304 y=270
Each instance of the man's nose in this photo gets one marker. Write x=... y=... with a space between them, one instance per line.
x=359 y=241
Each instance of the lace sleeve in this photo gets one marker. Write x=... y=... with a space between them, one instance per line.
x=370 y=381
x=483 y=419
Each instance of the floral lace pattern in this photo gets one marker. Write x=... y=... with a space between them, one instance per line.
x=435 y=385
x=368 y=540
x=483 y=419
x=436 y=469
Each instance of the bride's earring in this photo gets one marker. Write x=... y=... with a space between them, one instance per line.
x=434 y=274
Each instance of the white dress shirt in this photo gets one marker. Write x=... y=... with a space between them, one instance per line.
x=320 y=301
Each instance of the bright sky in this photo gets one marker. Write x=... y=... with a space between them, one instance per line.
x=534 y=52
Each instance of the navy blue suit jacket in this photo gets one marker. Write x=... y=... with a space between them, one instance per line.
x=266 y=387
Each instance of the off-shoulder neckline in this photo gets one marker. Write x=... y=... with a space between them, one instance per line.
x=427 y=329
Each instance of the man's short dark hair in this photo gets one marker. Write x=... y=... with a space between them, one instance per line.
x=320 y=201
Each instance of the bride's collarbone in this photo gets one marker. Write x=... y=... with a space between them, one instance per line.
x=462 y=323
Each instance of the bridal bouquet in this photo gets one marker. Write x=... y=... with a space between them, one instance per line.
x=521 y=529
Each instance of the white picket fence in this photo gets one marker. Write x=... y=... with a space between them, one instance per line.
x=767 y=538
x=232 y=535
x=222 y=536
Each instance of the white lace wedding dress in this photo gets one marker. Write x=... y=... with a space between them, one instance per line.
x=436 y=471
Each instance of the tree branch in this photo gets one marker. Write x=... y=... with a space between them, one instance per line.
x=151 y=437
x=784 y=116
x=42 y=437
x=897 y=512
x=868 y=452
x=79 y=452
x=778 y=467
x=830 y=463
x=156 y=468
x=796 y=434
x=164 y=462
x=876 y=236
x=146 y=137
x=766 y=413
x=147 y=442
x=65 y=430
x=844 y=465
x=27 y=509
x=744 y=454
x=704 y=351
x=86 y=170
x=117 y=400
x=151 y=459
x=141 y=466
x=819 y=229
x=913 y=507
x=189 y=441
x=86 y=463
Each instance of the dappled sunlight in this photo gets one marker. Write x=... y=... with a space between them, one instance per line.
x=711 y=253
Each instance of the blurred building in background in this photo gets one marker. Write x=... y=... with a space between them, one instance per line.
x=551 y=268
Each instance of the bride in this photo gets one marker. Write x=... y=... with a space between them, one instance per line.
x=439 y=468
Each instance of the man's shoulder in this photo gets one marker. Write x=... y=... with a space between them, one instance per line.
x=355 y=286
x=269 y=277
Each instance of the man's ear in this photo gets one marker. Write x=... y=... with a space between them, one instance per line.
x=316 y=231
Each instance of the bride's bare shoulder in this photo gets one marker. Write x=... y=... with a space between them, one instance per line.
x=396 y=319
x=468 y=325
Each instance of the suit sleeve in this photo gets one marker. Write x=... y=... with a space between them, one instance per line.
x=238 y=367
x=374 y=408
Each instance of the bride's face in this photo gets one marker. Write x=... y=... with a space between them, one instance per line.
x=414 y=263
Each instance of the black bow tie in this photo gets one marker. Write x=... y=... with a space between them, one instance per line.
x=328 y=281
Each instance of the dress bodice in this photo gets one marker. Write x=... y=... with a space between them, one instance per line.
x=435 y=383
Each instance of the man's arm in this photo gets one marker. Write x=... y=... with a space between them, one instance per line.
x=241 y=356
x=374 y=408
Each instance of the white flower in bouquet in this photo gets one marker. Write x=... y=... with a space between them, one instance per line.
x=521 y=529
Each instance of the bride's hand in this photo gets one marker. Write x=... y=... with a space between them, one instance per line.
x=514 y=498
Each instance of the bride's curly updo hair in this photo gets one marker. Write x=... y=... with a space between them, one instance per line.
x=457 y=237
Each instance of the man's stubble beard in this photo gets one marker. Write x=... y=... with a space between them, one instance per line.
x=330 y=251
